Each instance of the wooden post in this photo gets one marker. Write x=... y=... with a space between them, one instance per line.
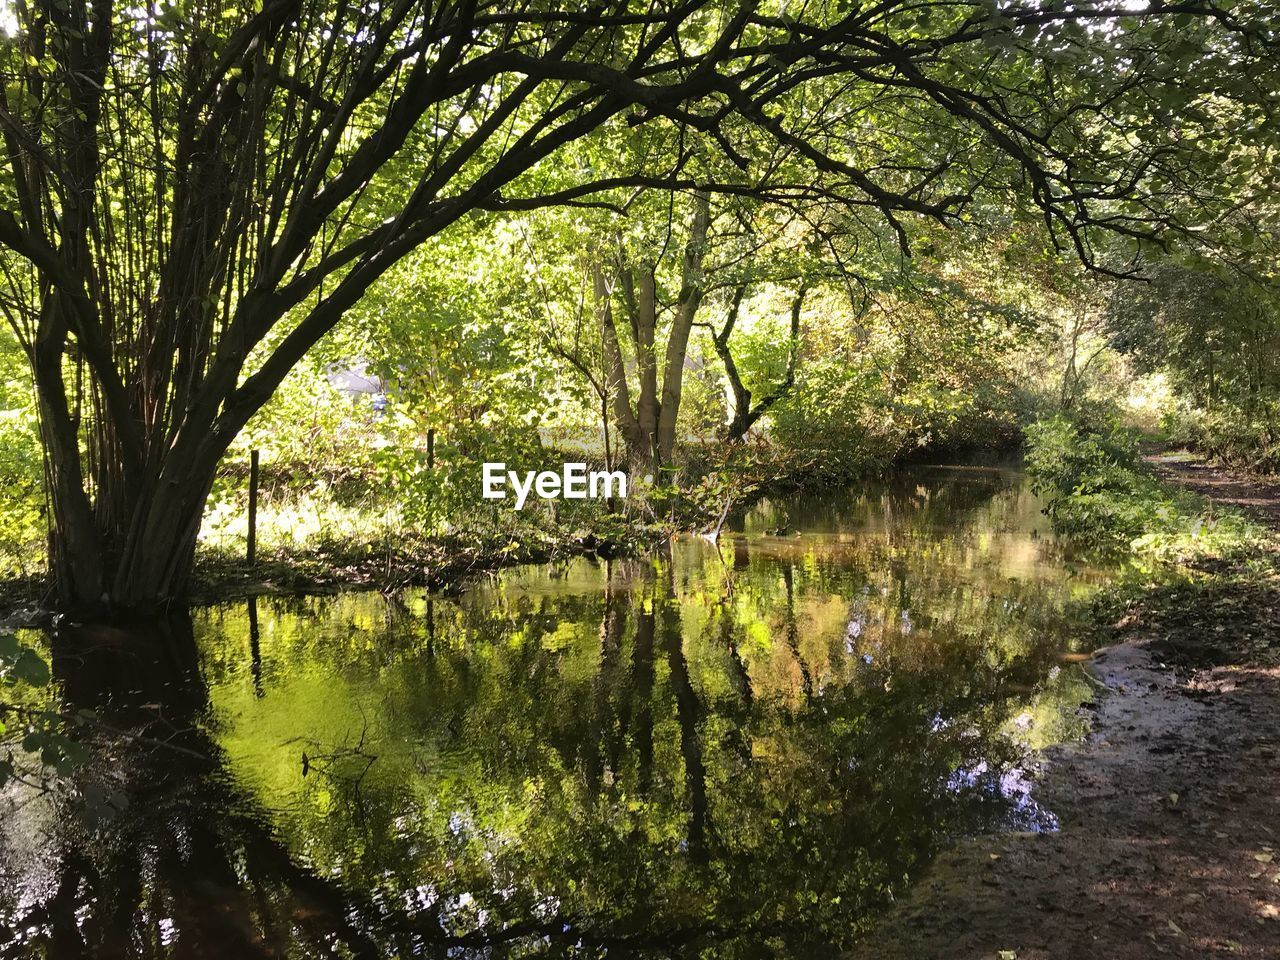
x=431 y=448
x=251 y=550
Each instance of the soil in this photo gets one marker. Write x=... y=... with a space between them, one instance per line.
x=1257 y=497
x=1169 y=840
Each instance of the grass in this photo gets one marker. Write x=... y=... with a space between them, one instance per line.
x=1200 y=583
x=1103 y=499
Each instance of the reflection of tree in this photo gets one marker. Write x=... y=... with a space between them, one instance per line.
x=184 y=852
x=641 y=697
x=912 y=503
x=688 y=712
x=610 y=757
x=791 y=629
x=728 y=638
x=603 y=742
x=255 y=645
x=186 y=857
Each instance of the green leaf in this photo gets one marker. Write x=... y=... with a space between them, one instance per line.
x=29 y=668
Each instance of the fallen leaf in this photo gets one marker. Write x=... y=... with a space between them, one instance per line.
x=1008 y=955
x=1173 y=799
x=1264 y=857
x=1175 y=928
x=1269 y=911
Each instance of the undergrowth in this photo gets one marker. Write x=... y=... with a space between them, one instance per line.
x=1198 y=583
x=1102 y=498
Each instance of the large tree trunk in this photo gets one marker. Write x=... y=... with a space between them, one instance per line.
x=158 y=549
x=691 y=292
x=129 y=554
x=75 y=555
x=635 y=440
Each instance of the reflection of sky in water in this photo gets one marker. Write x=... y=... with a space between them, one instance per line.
x=1012 y=790
x=644 y=754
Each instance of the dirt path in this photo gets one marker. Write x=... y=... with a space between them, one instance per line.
x=1170 y=811
x=1259 y=498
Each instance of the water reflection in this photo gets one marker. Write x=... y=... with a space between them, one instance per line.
x=736 y=752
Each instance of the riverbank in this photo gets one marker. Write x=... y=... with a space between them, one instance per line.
x=1169 y=844
x=441 y=565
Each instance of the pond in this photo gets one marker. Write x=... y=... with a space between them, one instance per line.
x=732 y=752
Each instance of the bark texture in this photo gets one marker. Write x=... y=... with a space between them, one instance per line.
x=648 y=423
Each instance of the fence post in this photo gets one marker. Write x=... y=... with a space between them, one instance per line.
x=251 y=550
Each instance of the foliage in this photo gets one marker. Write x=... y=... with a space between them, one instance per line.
x=920 y=361
x=1208 y=319
x=193 y=195
x=1250 y=441
x=26 y=723
x=22 y=521
x=1100 y=496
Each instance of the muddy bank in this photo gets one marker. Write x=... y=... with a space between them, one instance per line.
x=1170 y=810
x=1169 y=842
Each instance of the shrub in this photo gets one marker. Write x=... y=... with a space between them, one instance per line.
x=1246 y=441
x=1100 y=496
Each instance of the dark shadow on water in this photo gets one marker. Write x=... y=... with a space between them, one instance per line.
x=171 y=859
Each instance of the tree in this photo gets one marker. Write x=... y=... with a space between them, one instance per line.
x=648 y=425
x=747 y=410
x=194 y=193
x=666 y=259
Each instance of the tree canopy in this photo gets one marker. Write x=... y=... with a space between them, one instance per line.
x=194 y=193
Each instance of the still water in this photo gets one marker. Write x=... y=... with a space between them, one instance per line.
x=740 y=752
